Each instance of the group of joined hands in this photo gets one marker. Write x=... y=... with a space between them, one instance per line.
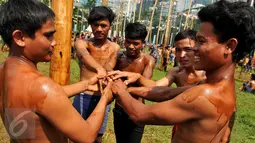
x=110 y=83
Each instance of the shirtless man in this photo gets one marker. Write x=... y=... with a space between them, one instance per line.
x=166 y=56
x=132 y=60
x=203 y=112
x=249 y=86
x=96 y=56
x=29 y=99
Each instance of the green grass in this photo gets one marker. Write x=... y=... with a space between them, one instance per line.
x=243 y=131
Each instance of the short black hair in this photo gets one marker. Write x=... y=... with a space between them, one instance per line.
x=99 y=13
x=253 y=76
x=136 y=31
x=232 y=20
x=191 y=34
x=25 y=15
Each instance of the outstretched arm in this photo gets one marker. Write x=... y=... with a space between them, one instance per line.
x=157 y=94
x=164 y=113
x=81 y=86
x=84 y=56
x=51 y=100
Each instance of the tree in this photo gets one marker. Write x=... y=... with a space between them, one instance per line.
x=2 y=1
x=89 y=5
x=46 y=2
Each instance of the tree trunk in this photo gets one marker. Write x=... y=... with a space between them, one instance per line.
x=60 y=62
x=140 y=11
x=152 y=15
x=160 y=18
x=187 y=17
x=166 y=39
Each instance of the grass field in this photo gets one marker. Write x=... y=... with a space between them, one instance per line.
x=243 y=131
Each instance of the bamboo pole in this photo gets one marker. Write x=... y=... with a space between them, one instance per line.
x=192 y=22
x=60 y=62
x=140 y=11
x=152 y=15
x=168 y=23
x=160 y=18
x=187 y=17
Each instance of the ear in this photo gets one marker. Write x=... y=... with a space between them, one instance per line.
x=231 y=46
x=18 y=38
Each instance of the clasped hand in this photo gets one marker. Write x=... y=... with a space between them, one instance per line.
x=111 y=83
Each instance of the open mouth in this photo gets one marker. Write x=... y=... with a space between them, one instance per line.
x=197 y=58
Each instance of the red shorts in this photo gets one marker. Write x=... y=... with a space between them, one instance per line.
x=174 y=130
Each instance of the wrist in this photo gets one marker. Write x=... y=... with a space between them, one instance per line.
x=85 y=84
x=105 y=100
x=122 y=92
x=99 y=68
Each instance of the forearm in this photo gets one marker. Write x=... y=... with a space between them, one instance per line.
x=163 y=93
x=76 y=88
x=91 y=62
x=108 y=67
x=132 y=107
x=96 y=118
x=140 y=92
x=146 y=82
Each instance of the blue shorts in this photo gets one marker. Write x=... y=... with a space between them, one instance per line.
x=85 y=105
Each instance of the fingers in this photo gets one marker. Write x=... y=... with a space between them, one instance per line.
x=111 y=73
x=101 y=86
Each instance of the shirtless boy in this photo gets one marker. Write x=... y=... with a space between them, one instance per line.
x=132 y=60
x=203 y=112
x=33 y=101
x=96 y=56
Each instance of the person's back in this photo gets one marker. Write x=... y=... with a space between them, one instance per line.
x=212 y=101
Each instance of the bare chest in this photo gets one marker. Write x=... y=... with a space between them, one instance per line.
x=136 y=66
x=182 y=79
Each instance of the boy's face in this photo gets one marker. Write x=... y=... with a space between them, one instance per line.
x=133 y=47
x=101 y=28
x=210 y=53
x=185 y=52
x=41 y=47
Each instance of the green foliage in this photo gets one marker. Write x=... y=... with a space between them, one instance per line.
x=89 y=5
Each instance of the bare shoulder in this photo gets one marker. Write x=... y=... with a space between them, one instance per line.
x=41 y=88
x=115 y=46
x=149 y=58
x=81 y=44
x=202 y=98
x=174 y=71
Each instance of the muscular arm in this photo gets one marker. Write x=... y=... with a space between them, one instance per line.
x=157 y=94
x=84 y=55
x=149 y=67
x=52 y=103
x=164 y=113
